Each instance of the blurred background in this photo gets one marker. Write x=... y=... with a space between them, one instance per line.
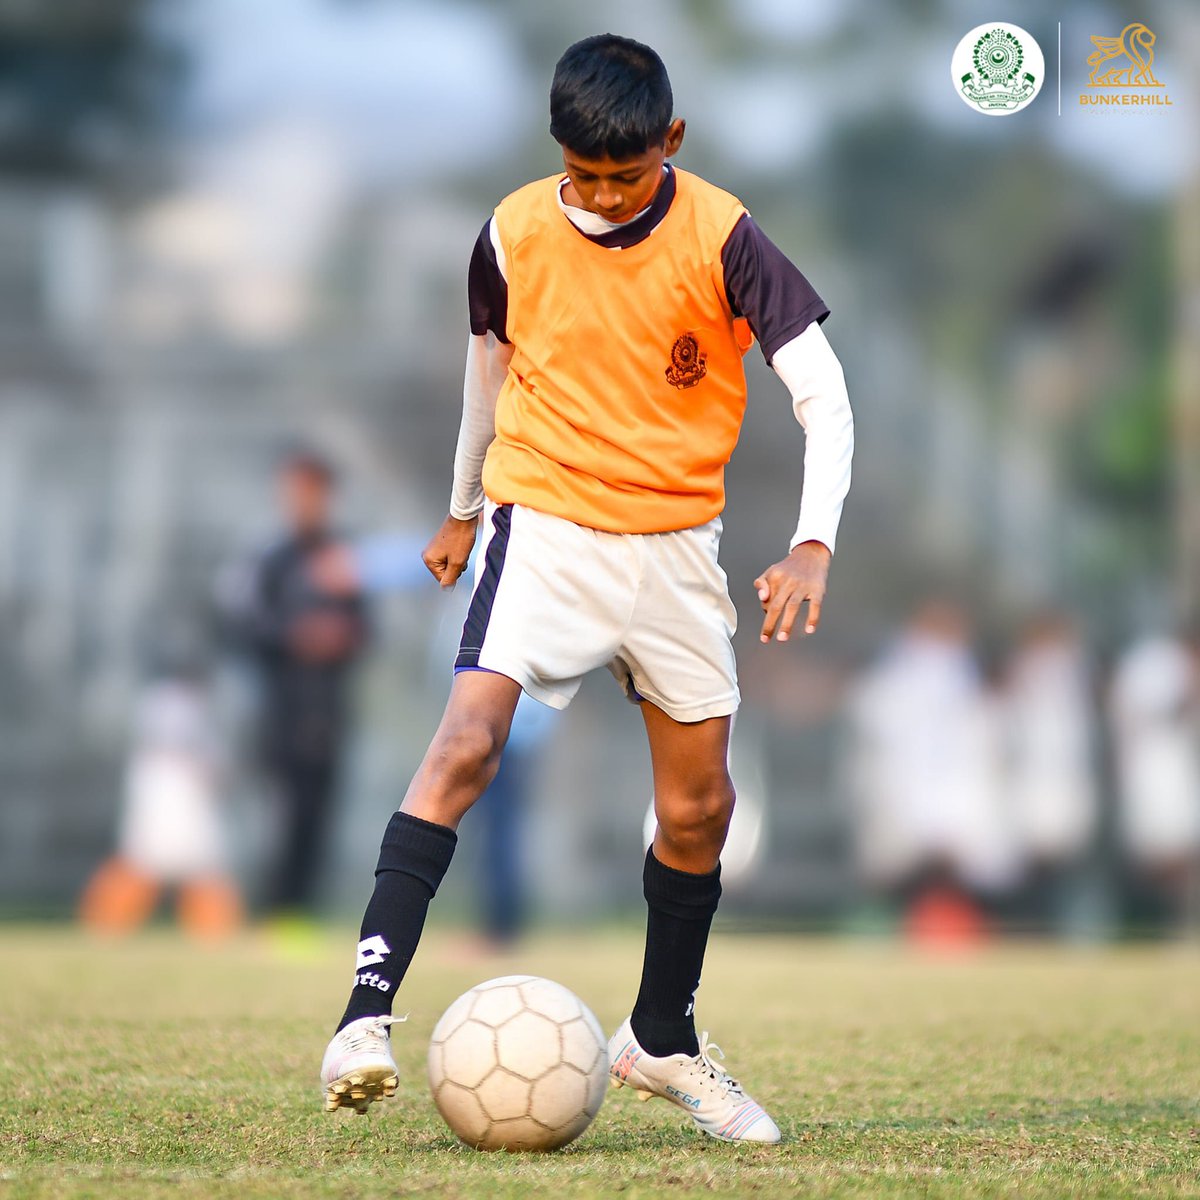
x=233 y=250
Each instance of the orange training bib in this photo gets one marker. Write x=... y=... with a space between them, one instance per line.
x=625 y=393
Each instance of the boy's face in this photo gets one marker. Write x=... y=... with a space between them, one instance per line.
x=618 y=190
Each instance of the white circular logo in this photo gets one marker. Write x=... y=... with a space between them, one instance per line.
x=997 y=69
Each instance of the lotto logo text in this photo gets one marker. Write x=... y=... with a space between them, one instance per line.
x=371 y=979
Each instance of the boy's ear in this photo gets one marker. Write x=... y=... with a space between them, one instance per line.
x=674 y=138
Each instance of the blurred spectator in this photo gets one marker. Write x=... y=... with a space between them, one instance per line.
x=923 y=773
x=1050 y=782
x=1155 y=705
x=171 y=832
x=304 y=639
x=502 y=808
x=376 y=564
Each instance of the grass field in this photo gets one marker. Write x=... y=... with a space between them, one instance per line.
x=151 y=1068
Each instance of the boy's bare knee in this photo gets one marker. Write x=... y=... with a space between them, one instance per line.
x=467 y=755
x=458 y=767
x=698 y=819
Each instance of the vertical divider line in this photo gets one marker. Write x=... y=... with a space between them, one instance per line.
x=1060 y=68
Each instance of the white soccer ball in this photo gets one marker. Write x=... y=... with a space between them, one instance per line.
x=518 y=1063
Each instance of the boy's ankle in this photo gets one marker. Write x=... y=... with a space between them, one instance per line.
x=662 y=1038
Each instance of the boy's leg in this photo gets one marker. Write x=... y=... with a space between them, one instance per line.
x=693 y=802
x=656 y=1051
x=420 y=838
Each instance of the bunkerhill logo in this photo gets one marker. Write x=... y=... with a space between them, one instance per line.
x=1124 y=64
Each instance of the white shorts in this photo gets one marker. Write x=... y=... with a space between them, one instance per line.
x=554 y=600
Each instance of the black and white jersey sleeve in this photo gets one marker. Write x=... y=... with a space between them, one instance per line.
x=487 y=285
x=763 y=285
x=785 y=313
x=488 y=356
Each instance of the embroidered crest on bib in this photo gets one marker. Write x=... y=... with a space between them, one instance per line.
x=687 y=362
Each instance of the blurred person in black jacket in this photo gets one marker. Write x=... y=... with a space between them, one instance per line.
x=305 y=641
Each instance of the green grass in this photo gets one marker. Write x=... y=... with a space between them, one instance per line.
x=152 y=1068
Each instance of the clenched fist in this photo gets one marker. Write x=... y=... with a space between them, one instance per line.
x=449 y=549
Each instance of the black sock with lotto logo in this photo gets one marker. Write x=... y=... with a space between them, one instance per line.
x=413 y=859
x=681 y=908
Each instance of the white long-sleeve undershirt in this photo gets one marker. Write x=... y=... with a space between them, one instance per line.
x=487 y=365
x=813 y=375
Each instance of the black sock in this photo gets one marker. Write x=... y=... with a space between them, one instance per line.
x=413 y=859
x=681 y=908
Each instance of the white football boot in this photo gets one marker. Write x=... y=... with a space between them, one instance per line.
x=358 y=1066
x=710 y=1094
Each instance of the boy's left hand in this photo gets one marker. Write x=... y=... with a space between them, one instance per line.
x=783 y=588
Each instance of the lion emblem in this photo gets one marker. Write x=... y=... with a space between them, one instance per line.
x=1130 y=55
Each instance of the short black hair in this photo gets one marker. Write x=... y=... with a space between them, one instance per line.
x=610 y=98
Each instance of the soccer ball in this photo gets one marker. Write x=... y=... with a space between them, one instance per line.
x=518 y=1063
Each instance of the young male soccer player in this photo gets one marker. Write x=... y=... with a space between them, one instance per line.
x=604 y=394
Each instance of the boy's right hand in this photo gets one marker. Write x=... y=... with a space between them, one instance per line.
x=449 y=549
